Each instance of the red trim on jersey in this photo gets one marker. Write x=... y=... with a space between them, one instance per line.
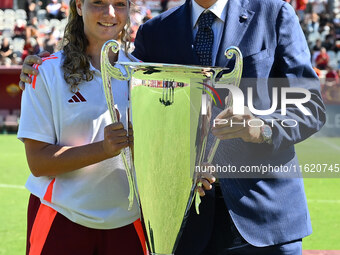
x=36 y=66
x=48 y=194
x=139 y=229
x=48 y=58
x=34 y=77
x=42 y=223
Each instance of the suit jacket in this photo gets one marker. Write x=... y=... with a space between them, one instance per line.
x=265 y=211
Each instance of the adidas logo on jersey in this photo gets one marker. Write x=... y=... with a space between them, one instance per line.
x=76 y=98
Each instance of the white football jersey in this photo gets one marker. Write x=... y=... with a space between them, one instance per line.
x=95 y=196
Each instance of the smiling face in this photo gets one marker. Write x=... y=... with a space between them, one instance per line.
x=103 y=19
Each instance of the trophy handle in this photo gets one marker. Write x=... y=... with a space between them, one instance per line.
x=109 y=71
x=105 y=62
x=233 y=78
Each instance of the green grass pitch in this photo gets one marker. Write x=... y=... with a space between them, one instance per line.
x=322 y=195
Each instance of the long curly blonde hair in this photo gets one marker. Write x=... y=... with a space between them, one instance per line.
x=76 y=64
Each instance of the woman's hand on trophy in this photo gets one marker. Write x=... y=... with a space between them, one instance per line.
x=205 y=179
x=228 y=125
x=115 y=139
x=27 y=67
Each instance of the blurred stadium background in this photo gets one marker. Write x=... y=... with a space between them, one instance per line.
x=28 y=27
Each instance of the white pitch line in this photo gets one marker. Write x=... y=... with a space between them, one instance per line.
x=323 y=201
x=11 y=186
x=156 y=92
x=192 y=106
x=160 y=93
x=329 y=143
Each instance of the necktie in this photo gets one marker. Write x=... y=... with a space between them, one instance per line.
x=205 y=38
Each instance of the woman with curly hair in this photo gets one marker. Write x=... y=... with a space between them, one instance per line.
x=78 y=185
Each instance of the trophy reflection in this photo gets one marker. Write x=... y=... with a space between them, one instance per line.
x=170 y=107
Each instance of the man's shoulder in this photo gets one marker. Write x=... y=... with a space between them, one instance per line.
x=268 y=5
x=265 y=3
x=270 y=11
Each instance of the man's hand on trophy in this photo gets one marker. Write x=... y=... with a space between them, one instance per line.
x=27 y=68
x=228 y=126
x=115 y=139
x=205 y=179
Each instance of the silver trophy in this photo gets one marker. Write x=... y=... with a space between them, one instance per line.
x=170 y=107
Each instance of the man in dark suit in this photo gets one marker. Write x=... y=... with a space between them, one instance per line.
x=246 y=216
x=254 y=215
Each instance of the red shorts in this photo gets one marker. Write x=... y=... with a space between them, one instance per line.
x=51 y=233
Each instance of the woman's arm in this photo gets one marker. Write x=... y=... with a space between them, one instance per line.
x=46 y=159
